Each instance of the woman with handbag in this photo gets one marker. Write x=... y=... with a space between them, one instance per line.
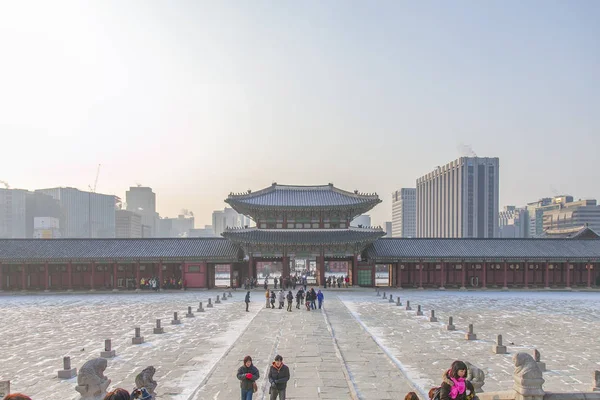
x=248 y=374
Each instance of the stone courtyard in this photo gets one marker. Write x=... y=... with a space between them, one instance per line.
x=359 y=346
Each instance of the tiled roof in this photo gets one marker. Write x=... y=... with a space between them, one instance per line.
x=581 y=232
x=40 y=250
x=303 y=236
x=483 y=249
x=302 y=196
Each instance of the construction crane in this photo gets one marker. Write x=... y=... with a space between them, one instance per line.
x=93 y=189
x=6 y=185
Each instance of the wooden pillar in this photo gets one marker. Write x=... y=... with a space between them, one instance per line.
x=321 y=268
x=183 y=277
x=526 y=267
x=588 y=266
x=421 y=275
x=463 y=277
x=547 y=277
x=93 y=277
x=398 y=276
x=354 y=272
x=70 y=276
x=442 y=274
x=285 y=271
x=1 y=278
x=505 y=287
x=160 y=275
x=115 y=280
x=23 y=279
x=46 y=274
x=250 y=268
x=137 y=275
x=568 y=268
x=374 y=274
x=484 y=275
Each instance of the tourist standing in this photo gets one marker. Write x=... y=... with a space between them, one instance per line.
x=454 y=384
x=272 y=299
x=248 y=374
x=299 y=297
x=267 y=296
x=290 y=299
x=247 y=300
x=281 y=299
x=313 y=299
x=320 y=298
x=275 y=282
x=279 y=375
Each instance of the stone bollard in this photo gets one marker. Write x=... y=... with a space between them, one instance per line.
x=537 y=357
x=67 y=372
x=596 y=382
x=528 y=378
x=499 y=348
x=432 y=317
x=200 y=309
x=408 y=305
x=159 y=329
x=450 y=326
x=209 y=305
x=4 y=388
x=384 y=295
x=229 y=294
x=137 y=339
x=470 y=335
x=398 y=302
x=175 y=321
x=91 y=382
x=419 y=312
x=391 y=299
x=378 y=294
x=189 y=314
x=224 y=296
x=218 y=301
x=108 y=351
x=476 y=376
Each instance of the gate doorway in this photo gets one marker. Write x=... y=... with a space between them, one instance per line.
x=383 y=274
x=334 y=270
x=223 y=275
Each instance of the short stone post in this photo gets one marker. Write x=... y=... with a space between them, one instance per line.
x=108 y=351
x=210 y=304
x=596 y=382
x=528 y=378
x=175 y=320
x=450 y=326
x=200 y=309
x=224 y=296
x=384 y=295
x=408 y=305
x=499 y=348
x=218 y=301
x=419 y=312
x=189 y=314
x=67 y=372
x=470 y=335
x=432 y=317
x=137 y=339
x=391 y=298
x=537 y=357
x=4 y=388
x=230 y=294
x=398 y=302
x=159 y=329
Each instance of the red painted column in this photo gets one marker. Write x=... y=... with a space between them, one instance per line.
x=23 y=280
x=421 y=275
x=505 y=275
x=115 y=280
x=526 y=267
x=464 y=275
x=285 y=261
x=160 y=274
x=568 y=268
x=547 y=275
x=588 y=266
x=321 y=267
x=442 y=274
x=484 y=275
x=183 y=269
x=398 y=276
x=93 y=277
x=250 y=269
x=70 y=276
x=137 y=275
x=46 y=272
x=1 y=278
x=354 y=274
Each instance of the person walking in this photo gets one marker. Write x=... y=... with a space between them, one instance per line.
x=281 y=298
x=320 y=297
x=313 y=299
x=268 y=297
x=247 y=300
x=272 y=299
x=290 y=299
x=248 y=374
x=279 y=375
x=299 y=297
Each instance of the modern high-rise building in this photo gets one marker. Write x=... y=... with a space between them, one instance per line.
x=13 y=217
x=459 y=199
x=228 y=218
x=176 y=227
x=404 y=213
x=512 y=223
x=573 y=214
x=142 y=200
x=85 y=214
x=128 y=224
x=388 y=229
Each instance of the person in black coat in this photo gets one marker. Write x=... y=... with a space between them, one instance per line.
x=247 y=300
x=247 y=374
x=279 y=375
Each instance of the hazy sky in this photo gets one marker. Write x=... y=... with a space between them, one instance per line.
x=197 y=99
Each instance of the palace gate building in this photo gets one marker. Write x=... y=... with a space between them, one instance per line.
x=309 y=223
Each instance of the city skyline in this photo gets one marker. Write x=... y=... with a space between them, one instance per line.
x=199 y=100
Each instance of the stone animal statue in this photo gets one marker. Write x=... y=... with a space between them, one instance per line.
x=476 y=376
x=91 y=382
x=145 y=379
x=528 y=376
